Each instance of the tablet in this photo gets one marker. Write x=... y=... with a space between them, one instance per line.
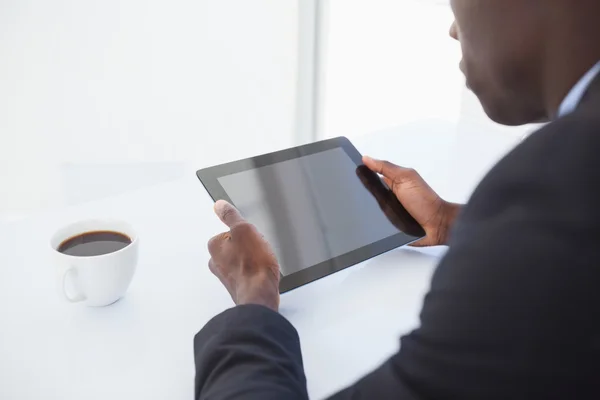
x=318 y=206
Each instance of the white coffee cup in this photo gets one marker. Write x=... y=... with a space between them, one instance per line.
x=95 y=280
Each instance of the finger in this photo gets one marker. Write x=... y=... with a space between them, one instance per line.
x=389 y=182
x=227 y=213
x=420 y=243
x=372 y=183
x=363 y=173
x=384 y=168
x=216 y=243
x=403 y=175
x=213 y=267
x=390 y=214
x=423 y=242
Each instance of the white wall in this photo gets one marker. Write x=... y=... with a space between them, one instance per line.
x=388 y=62
x=101 y=97
x=119 y=93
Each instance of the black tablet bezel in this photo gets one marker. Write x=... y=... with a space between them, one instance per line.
x=209 y=178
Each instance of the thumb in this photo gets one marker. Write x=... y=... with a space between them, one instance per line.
x=384 y=168
x=228 y=214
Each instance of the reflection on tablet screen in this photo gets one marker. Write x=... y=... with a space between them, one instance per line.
x=312 y=208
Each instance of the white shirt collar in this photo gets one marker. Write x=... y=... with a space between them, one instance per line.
x=572 y=100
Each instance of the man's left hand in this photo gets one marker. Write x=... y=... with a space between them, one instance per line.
x=243 y=260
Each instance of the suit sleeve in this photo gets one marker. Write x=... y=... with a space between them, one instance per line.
x=252 y=353
x=249 y=352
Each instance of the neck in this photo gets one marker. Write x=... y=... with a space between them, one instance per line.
x=572 y=51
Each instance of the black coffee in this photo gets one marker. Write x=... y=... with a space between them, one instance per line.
x=94 y=244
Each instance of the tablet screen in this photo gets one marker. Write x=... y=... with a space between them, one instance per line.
x=311 y=209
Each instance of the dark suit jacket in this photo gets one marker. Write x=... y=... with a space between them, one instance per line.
x=514 y=307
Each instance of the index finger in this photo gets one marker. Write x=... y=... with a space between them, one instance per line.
x=228 y=214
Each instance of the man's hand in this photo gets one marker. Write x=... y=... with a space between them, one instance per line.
x=243 y=260
x=435 y=215
x=388 y=202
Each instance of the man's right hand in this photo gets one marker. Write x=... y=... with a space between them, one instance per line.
x=434 y=214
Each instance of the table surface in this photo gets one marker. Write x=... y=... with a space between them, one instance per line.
x=141 y=347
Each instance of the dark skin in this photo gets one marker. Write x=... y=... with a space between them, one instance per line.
x=243 y=260
x=388 y=202
x=520 y=57
x=515 y=52
x=434 y=214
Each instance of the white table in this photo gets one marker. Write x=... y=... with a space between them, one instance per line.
x=141 y=347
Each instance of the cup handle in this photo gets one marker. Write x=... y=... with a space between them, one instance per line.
x=71 y=299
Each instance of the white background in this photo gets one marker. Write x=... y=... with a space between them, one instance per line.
x=97 y=97
x=101 y=97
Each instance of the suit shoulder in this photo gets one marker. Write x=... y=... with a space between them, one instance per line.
x=571 y=142
x=559 y=161
x=576 y=129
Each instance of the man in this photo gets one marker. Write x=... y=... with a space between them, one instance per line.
x=514 y=307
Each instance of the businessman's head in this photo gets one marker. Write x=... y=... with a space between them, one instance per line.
x=521 y=57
